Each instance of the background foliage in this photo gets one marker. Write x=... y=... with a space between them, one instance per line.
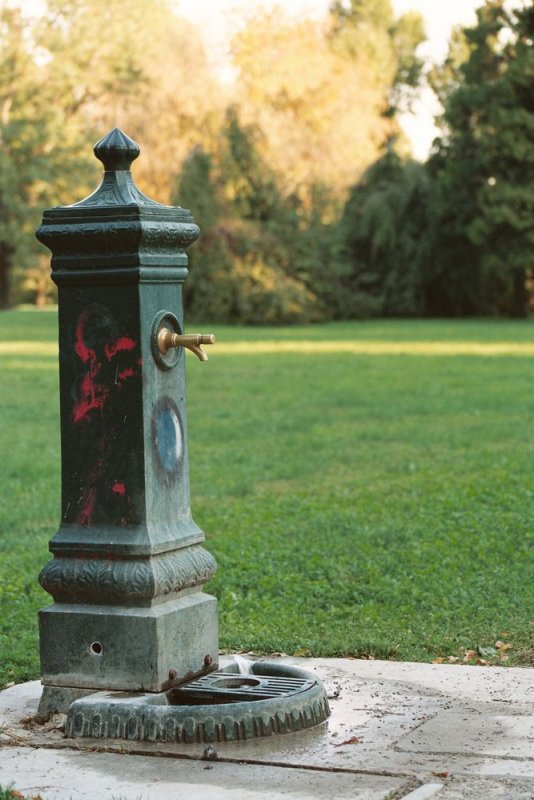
x=310 y=205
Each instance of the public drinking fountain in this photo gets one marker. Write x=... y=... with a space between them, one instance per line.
x=129 y=648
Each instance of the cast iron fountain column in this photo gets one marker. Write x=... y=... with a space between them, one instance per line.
x=128 y=563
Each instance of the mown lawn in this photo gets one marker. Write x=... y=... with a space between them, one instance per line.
x=367 y=488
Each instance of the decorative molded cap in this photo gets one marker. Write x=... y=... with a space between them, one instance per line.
x=116 y=150
x=117 y=225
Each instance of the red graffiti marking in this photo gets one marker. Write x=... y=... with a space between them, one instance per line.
x=93 y=394
x=89 y=494
x=85 y=353
x=120 y=489
x=129 y=372
x=109 y=362
x=88 y=504
x=123 y=343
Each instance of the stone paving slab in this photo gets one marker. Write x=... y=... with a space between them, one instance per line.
x=451 y=730
x=65 y=774
x=477 y=732
x=481 y=789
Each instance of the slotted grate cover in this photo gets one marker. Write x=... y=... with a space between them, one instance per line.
x=222 y=707
x=220 y=686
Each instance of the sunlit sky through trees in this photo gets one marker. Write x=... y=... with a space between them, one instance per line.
x=218 y=19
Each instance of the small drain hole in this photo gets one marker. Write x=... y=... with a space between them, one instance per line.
x=96 y=648
x=236 y=682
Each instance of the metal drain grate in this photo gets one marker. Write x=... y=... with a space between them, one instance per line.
x=220 y=687
x=225 y=706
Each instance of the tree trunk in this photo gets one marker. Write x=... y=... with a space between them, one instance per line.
x=6 y=262
x=520 y=296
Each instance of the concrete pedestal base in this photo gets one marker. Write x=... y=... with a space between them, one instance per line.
x=137 y=649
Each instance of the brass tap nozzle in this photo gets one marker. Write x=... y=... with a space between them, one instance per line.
x=168 y=339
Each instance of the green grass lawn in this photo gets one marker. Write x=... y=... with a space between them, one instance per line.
x=360 y=499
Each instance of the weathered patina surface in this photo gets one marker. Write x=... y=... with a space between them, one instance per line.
x=128 y=563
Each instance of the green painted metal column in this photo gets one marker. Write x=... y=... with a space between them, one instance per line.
x=128 y=564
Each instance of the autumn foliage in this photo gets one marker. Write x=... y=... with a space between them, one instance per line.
x=296 y=167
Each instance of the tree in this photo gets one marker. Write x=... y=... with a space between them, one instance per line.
x=483 y=169
x=133 y=64
x=70 y=74
x=367 y=31
x=241 y=269
x=320 y=109
x=25 y=133
x=384 y=238
x=249 y=183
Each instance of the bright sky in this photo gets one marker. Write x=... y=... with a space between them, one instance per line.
x=217 y=19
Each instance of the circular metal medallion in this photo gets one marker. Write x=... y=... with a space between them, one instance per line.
x=167 y=437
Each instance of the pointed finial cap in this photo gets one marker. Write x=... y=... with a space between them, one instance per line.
x=117 y=225
x=116 y=151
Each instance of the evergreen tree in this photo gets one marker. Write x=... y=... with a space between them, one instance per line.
x=384 y=238
x=483 y=171
x=250 y=184
x=240 y=267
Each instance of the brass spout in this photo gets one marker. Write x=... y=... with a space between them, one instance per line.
x=193 y=341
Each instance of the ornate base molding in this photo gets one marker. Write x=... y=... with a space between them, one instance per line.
x=126 y=581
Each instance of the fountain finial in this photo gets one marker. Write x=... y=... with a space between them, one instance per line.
x=116 y=150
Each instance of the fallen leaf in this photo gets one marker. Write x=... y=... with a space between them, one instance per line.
x=502 y=645
x=440 y=774
x=302 y=652
x=352 y=740
x=486 y=652
x=469 y=655
x=438 y=660
x=453 y=659
x=55 y=723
